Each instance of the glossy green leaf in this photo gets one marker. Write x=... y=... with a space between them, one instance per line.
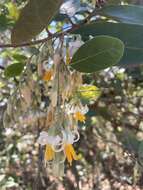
x=34 y=17
x=97 y=54
x=132 y=14
x=131 y=35
x=14 y=70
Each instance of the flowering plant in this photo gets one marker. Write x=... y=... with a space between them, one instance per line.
x=79 y=37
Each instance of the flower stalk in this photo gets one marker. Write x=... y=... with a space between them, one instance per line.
x=66 y=110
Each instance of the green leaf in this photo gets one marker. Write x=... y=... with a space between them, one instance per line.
x=88 y=93
x=14 y=70
x=131 y=35
x=19 y=57
x=97 y=54
x=13 y=10
x=113 y=2
x=132 y=14
x=3 y=22
x=34 y=17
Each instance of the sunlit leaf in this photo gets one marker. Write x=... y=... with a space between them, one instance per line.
x=19 y=57
x=13 y=11
x=89 y=92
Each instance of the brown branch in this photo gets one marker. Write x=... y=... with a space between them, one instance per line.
x=55 y=35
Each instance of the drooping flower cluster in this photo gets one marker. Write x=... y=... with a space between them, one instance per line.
x=64 y=112
x=63 y=143
x=48 y=99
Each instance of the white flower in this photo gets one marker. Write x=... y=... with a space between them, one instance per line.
x=71 y=109
x=69 y=137
x=74 y=46
x=45 y=138
x=78 y=111
x=71 y=49
x=83 y=109
x=70 y=7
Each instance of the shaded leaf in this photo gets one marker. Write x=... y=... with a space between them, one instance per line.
x=132 y=14
x=14 y=70
x=130 y=34
x=3 y=22
x=97 y=54
x=34 y=17
x=113 y=2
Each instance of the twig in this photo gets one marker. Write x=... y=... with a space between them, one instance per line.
x=55 y=35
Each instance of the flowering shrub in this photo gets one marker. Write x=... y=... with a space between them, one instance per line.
x=61 y=51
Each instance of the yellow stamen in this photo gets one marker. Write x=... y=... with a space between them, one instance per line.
x=80 y=117
x=49 y=153
x=70 y=153
x=48 y=75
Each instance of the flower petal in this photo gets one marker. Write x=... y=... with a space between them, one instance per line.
x=68 y=153
x=49 y=153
